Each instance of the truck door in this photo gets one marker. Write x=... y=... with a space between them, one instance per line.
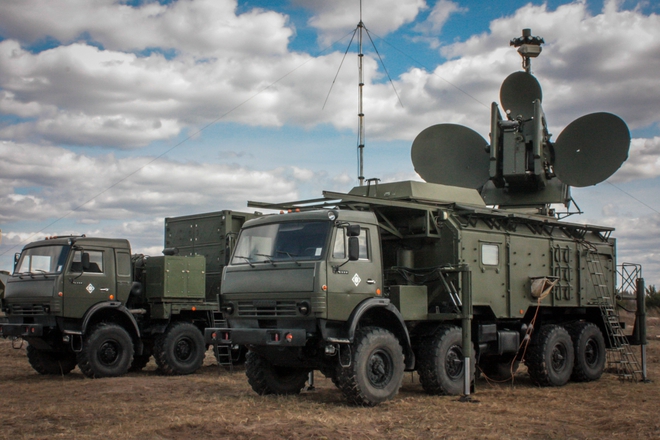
x=350 y=282
x=90 y=278
x=124 y=275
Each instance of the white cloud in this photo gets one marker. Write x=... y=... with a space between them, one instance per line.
x=195 y=27
x=432 y=27
x=104 y=187
x=334 y=19
x=637 y=243
x=643 y=161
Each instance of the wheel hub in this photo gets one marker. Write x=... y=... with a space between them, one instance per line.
x=183 y=349
x=591 y=353
x=108 y=353
x=454 y=362
x=558 y=357
x=379 y=369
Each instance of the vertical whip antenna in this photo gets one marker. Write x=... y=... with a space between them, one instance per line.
x=361 y=130
x=360 y=110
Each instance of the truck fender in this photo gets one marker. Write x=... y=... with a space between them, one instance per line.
x=397 y=324
x=118 y=306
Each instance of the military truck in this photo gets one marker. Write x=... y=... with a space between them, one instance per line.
x=381 y=284
x=87 y=301
x=471 y=270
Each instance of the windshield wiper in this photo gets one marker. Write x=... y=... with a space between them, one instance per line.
x=268 y=258
x=288 y=255
x=246 y=259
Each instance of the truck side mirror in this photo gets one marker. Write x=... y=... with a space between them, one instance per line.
x=17 y=256
x=353 y=230
x=353 y=248
x=85 y=261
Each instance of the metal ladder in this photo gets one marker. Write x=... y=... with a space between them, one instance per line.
x=620 y=357
x=222 y=352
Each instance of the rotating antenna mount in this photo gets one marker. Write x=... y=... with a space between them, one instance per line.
x=528 y=47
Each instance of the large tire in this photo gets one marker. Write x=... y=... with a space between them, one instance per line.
x=107 y=351
x=550 y=356
x=51 y=362
x=590 y=351
x=266 y=378
x=376 y=369
x=441 y=362
x=180 y=350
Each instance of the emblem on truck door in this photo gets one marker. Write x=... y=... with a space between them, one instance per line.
x=90 y=288
x=356 y=279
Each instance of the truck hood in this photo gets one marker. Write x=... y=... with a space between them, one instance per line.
x=265 y=278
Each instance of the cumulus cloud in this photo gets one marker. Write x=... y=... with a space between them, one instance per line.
x=335 y=19
x=635 y=243
x=643 y=161
x=199 y=28
x=432 y=26
x=89 y=189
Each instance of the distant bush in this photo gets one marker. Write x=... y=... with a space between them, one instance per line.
x=652 y=297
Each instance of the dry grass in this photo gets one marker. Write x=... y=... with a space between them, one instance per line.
x=217 y=404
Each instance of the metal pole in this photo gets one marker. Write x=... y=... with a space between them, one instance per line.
x=360 y=110
x=466 y=324
x=310 y=381
x=640 y=317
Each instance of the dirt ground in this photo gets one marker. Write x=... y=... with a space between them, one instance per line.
x=215 y=403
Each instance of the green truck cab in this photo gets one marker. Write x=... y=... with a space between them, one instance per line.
x=400 y=277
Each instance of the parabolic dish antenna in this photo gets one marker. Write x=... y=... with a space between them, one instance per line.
x=518 y=93
x=451 y=154
x=591 y=149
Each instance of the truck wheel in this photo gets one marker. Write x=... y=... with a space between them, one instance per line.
x=441 y=360
x=550 y=356
x=180 y=350
x=107 y=351
x=376 y=369
x=590 y=354
x=266 y=378
x=51 y=362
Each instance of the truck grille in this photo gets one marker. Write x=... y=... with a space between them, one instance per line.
x=27 y=309
x=266 y=308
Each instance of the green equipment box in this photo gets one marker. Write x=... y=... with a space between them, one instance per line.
x=211 y=235
x=175 y=277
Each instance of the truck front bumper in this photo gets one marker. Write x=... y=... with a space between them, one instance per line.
x=256 y=336
x=21 y=330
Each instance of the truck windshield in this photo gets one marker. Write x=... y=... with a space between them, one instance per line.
x=45 y=259
x=282 y=241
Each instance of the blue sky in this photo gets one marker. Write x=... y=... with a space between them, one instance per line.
x=116 y=114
